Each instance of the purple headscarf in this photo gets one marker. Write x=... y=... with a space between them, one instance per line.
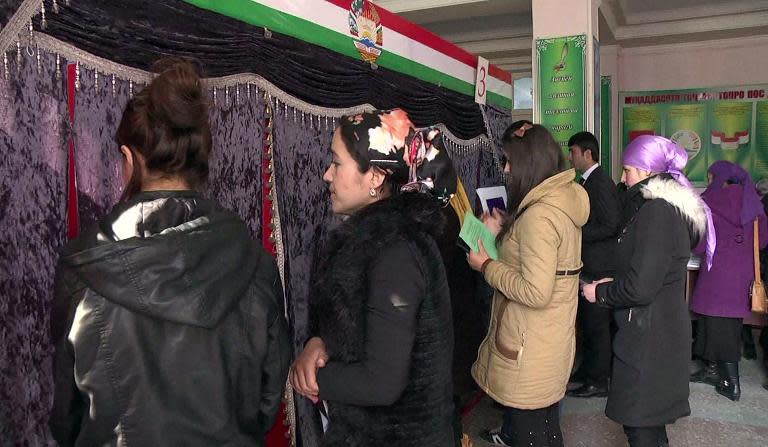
x=660 y=155
x=657 y=154
x=725 y=171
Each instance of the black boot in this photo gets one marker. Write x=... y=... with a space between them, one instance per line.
x=749 y=352
x=707 y=374
x=729 y=381
x=764 y=344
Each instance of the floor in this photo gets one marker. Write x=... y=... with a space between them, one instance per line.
x=714 y=422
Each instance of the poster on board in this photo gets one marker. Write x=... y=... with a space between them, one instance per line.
x=728 y=123
x=561 y=86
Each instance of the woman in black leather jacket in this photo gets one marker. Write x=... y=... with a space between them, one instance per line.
x=168 y=318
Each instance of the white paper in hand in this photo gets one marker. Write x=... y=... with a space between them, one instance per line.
x=493 y=197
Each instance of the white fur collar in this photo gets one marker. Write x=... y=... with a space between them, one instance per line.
x=686 y=200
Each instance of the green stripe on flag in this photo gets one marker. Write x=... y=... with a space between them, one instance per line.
x=263 y=16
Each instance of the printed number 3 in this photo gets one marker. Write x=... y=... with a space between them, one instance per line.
x=481 y=88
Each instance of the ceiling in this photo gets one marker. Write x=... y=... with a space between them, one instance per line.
x=501 y=30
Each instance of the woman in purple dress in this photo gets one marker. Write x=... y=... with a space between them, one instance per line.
x=721 y=297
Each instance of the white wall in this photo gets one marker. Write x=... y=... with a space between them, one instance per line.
x=702 y=64
x=549 y=18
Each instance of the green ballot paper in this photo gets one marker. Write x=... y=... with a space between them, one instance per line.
x=472 y=230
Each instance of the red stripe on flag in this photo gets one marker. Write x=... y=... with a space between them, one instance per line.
x=73 y=214
x=500 y=74
x=421 y=35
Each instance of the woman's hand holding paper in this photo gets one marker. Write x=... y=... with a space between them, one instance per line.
x=493 y=220
x=476 y=259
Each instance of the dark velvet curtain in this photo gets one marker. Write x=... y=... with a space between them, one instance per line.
x=33 y=218
x=490 y=170
x=7 y=8
x=236 y=163
x=498 y=121
x=138 y=35
x=301 y=156
x=99 y=163
x=466 y=161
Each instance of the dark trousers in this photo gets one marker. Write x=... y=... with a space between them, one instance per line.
x=764 y=344
x=594 y=323
x=485 y=297
x=537 y=428
x=647 y=436
x=718 y=339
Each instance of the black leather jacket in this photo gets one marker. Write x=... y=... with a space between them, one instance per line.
x=169 y=329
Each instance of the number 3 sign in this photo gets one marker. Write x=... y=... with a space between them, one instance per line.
x=481 y=80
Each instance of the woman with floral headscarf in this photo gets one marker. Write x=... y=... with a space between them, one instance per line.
x=379 y=358
x=652 y=346
x=721 y=297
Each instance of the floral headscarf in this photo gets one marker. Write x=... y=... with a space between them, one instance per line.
x=415 y=158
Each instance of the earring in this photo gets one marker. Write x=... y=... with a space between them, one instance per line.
x=372 y=192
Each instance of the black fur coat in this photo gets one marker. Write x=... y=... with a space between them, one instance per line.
x=422 y=414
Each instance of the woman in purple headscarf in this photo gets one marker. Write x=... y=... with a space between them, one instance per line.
x=652 y=346
x=721 y=297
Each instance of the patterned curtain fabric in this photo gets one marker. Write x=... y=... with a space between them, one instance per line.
x=7 y=8
x=498 y=120
x=466 y=161
x=235 y=177
x=490 y=170
x=99 y=163
x=33 y=133
x=301 y=156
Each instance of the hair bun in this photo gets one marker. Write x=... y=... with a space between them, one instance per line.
x=176 y=97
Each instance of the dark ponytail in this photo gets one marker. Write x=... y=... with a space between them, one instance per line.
x=167 y=123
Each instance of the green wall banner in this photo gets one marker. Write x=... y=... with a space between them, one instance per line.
x=561 y=86
x=729 y=123
x=605 y=124
x=760 y=155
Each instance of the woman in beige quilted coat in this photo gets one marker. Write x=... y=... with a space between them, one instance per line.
x=526 y=358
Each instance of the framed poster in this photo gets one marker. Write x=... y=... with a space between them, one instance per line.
x=561 y=86
x=728 y=123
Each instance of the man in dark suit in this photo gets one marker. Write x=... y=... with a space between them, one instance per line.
x=598 y=245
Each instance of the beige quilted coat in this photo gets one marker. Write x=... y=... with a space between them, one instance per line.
x=526 y=357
